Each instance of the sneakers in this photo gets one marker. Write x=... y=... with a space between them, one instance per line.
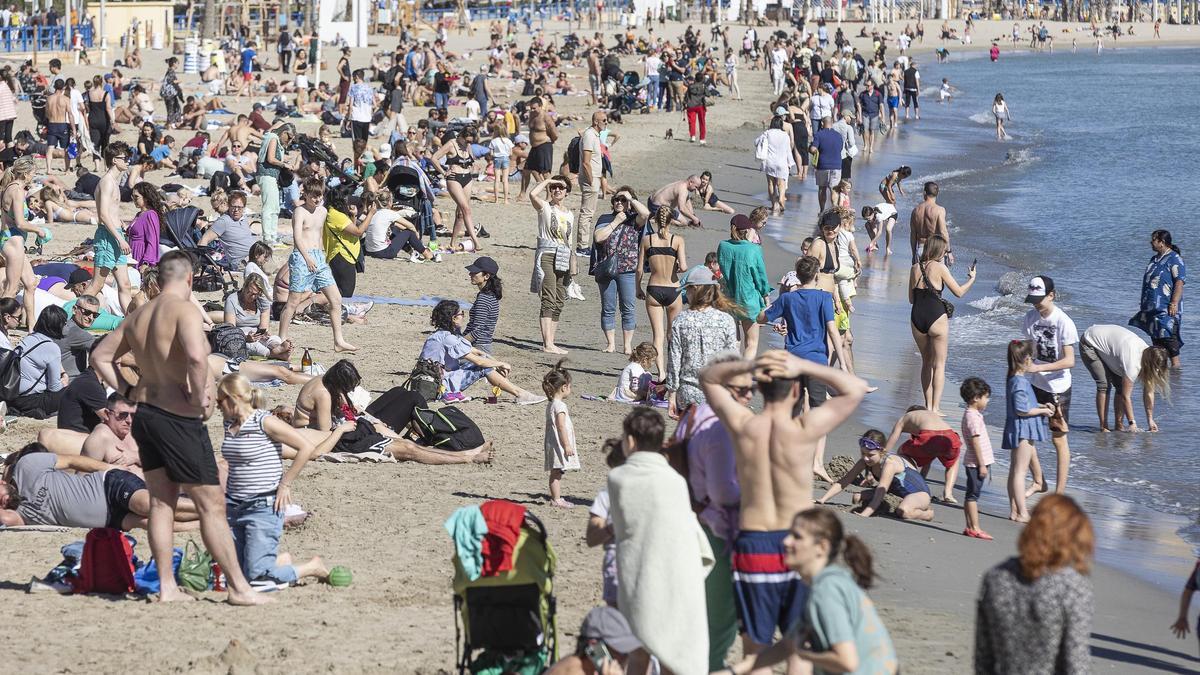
x=574 y=291
x=453 y=397
x=437 y=256
x=481 y=232
x=415 y=257
x=358 y=308
x=583 y=252
x=265 y=585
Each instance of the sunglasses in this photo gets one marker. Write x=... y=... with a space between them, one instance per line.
x=87 y=312
x=741 y=392
x=620 y=200
x=868 y=444
x=122 y=416
x=559 y=187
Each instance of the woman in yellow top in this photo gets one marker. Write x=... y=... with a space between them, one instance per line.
x=342 y=239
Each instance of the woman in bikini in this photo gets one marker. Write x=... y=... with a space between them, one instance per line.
x=663 y=253
x=892 y=474
x=930 y=323
x=55 y=207
x=890 y=185
x=459 y=176
x=14 y=228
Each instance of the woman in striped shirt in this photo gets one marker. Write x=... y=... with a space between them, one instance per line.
x=257 y=490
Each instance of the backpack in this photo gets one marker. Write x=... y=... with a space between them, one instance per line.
x=447 y=428
x=425 y=379
x=10 y=371
x=107 y=563
x=228 y=340
x=573 y=154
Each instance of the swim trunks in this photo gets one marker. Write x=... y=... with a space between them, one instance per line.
x=108 y=250
x=302 y=279
x=58 y=134
x=119 y=486
x=893 y=102
x=541 y=158
x=1062 y=404
x=767 y=593
x=925 y=446
x=174 y=442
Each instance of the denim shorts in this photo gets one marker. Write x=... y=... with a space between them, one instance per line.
x=974 y=483
x=256 y=531
x=500 y=163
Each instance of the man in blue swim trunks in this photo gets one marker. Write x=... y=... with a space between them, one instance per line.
x=774 y=451
x=109 y=244
x=58 y=123
x=307 y=268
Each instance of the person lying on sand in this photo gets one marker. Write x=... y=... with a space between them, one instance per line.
x=892 y=473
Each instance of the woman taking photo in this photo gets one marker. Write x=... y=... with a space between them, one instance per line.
x=745 y=277
x=554 y=260
x=42 y=377
x=1116 y=356
x=841 y=631
x=1161 y=314
x=249 y=310
x=706 y=328
x=460 y=175
x=617 y=235
x=270 y=162
x=664 y=254
x=929 y=319
x=1034 y=611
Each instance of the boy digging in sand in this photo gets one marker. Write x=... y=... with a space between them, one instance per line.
x=307 y=267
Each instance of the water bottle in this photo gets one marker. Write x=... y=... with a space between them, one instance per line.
x=218 y=576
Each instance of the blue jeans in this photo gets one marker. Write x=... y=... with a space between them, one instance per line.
x=652 y=90
x=441 y=100
x=256 y=531
x=625 y=287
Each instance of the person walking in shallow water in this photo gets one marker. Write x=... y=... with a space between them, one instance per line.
x=1002 y=114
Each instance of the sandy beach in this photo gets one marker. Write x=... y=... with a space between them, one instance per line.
x=385 y=521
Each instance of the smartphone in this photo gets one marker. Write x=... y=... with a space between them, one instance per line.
x=974 y=263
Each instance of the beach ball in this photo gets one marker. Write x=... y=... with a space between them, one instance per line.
x=340 y=576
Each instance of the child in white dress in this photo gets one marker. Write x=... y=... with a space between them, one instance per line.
x=561 y=455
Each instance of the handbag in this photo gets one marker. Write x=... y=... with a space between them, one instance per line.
x=195 y=570
x=608 y=268
x=946 y=304
x=676 y=451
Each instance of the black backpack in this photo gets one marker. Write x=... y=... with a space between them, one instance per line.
x=10 y=371
x=573 y=154
x=446 y=428
x=425 y=379
x=228 y=340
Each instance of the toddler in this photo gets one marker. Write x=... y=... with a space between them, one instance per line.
x=975 y=393
x=635 y=384
x=560 y=432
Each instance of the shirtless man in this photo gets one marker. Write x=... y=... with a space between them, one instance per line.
x=110 y=442
x=542 y=134
x=307 y=267
x=928 y=219
x=241 y=133
x=594 y=79
x=774 y=454
x=58 y=130
x=931 y=439
x=166 y=339
x=112 y=250
x=675 y=196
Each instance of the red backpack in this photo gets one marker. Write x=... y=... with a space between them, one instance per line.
x=107 y=563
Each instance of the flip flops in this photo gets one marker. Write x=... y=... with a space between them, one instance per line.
x=977 y=534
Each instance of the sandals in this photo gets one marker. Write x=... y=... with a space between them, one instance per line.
x=945 y=501
x=977 y=534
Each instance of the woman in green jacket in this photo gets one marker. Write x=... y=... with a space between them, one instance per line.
x=744 y=275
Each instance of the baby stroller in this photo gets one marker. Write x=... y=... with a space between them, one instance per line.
x=510 y=618
x=179 y=228
x=628 y=96
x=404 y=182
x=38 y=102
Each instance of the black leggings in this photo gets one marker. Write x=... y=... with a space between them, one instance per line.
x=6 y=130
x=401 y=239
x=344 y=275
x=38 y=406
x=100 y=137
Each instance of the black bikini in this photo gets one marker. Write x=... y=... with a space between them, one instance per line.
x=927 y=305
x=465 y=176
x=663 y=295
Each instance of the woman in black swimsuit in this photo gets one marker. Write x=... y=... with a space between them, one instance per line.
x=100 y=114
x=459 y=175
x=663 y=253
x=930 y=325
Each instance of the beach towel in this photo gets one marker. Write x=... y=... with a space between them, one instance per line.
x=466 y=526
x=663 y=558
x=504 y=520
x=423 y=301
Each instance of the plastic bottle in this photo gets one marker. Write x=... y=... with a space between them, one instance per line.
x=218 y=576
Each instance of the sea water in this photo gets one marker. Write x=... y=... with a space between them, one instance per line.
x=1102 y=150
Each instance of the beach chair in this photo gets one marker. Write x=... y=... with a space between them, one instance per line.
x=510 y=619
x=179 y=229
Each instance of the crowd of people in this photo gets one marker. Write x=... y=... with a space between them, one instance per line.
x=736 y=542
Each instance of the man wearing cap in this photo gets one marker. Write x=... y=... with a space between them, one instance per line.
x=828 y=145
x=605 y=644
x=257 y=121
x=485 y=311
x=1054 y=338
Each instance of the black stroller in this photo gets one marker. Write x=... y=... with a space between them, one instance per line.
x=627 y=97
x=404 y=182
x=179 y=227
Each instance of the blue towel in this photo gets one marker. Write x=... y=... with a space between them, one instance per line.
x=467 y=527
x=423 y=301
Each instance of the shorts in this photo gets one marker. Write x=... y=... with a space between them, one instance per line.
x=873 y=122
x=828 y=178
x=1172 y=344
x=108 y=251
x=58 y=134
x=712 y=200
x=304 y=280
x=768 y=595
x=893 y=102
x=119 y=486
x=1062 y=411
x=247 y=76
x=974 y=484
x=501 y=163
x=360 y=131
x=541 y=158
x=943 y=445
x=46 y=283
x=818 y=391
x=1105 y=378
x=174 y=442
x=910 y=98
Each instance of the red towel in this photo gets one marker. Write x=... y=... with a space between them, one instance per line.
x=504 y=521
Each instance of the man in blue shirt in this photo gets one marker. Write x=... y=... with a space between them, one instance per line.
x=828 y=144
x=248 y=56
x=808 y=315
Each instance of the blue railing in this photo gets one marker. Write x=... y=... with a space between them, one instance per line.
x=490 y=12
x=198 y=19
x=43 y=38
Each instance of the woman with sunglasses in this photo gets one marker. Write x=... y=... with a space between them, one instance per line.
x=617 y=235
x=892 y=473
x=460 y=176
x=554 y=261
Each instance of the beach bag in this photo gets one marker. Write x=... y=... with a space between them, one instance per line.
x=425 y=379
x=573 y=153
x=363 y=438
x=607 y=269
x=195 y=569
x=447 y=428
x=946 y=304
x=146 y=580
x=107 y=563
x=761 y=151
x=229 y=341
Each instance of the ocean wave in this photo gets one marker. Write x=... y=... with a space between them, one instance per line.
x=944 y=175
x=1020 y=156
x=987 y=302
x=983 y=118
x=1013 y=283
